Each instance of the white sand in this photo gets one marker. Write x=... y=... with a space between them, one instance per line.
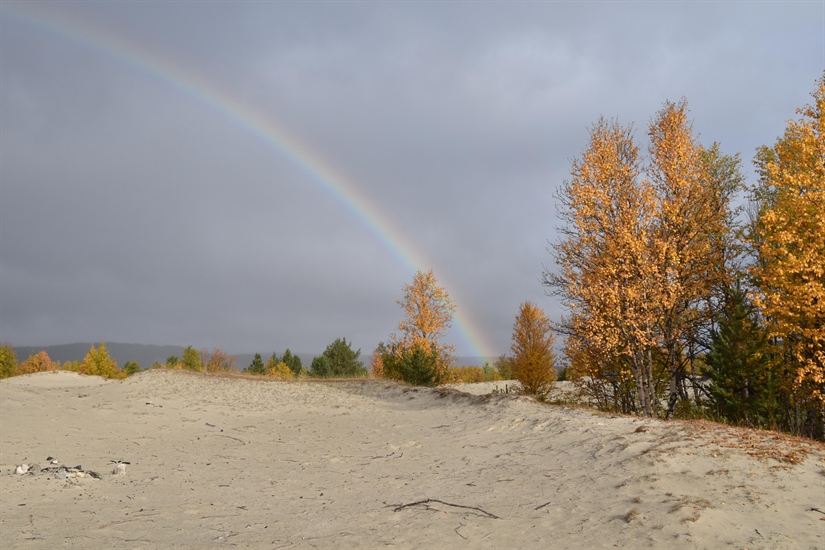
x=56 y=379
x=265 y=464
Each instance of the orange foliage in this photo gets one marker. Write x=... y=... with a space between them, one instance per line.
x=533 y=361
x=37 y=362
x=789 y=239
x=217 y=360
x=428 y=313
x=640 y=256
x=377 y=365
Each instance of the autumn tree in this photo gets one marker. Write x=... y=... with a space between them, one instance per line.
x=279 y=370
x=377 y=362
x=37 y=362
x=788 y=238
x=689 y=233
x=272 y=362
x=532 y=360
x=72 y=366
x=428 y=312
x=8 y=360
x=643 y=251
x=216 y=360
x=606 y=274
x=98 y=363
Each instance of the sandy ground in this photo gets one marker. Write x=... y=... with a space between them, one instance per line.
x=220 y=462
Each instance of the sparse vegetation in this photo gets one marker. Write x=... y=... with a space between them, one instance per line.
x=8 y=361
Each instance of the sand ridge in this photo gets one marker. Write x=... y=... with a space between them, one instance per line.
x=268 y=464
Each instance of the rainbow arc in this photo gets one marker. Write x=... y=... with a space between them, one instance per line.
x=254 y=120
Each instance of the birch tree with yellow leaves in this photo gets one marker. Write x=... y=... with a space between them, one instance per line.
x=606 y=272
x=642 y=252
x=690 y=229
x=417 y=354
x=788 y=238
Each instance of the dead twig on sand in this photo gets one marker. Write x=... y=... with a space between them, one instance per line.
x=540 y=506
x=385 y=456
x=242 y=442
x=399 y=507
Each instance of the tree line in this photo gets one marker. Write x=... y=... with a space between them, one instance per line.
x=679 y=302
x=338 y=360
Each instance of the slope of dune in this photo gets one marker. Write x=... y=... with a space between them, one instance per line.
x=216 y=461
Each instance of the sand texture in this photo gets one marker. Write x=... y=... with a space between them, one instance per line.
x=230 y=462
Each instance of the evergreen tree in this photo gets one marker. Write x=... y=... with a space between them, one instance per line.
x=743 y=386
x=131 y=367
x=419 y=365
x=257 y=365
x=343 y=361
x=321 y=367
x=293 y=362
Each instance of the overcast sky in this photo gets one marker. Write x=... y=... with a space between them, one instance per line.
x=263 y=175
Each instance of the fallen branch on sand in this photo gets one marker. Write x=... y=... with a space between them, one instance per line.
x=399 y=507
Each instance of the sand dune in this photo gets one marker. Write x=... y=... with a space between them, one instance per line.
x=265 y=464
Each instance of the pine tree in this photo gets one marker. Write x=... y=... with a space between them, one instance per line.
x=743 y=384
x=418 y=365
x=342 y=360
x=293 y=362
x=320 y=367
x=130 y=368
x=257 y=365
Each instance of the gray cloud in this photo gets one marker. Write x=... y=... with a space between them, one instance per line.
x=132 y=210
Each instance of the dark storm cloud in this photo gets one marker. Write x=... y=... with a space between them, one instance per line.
x=134 y=211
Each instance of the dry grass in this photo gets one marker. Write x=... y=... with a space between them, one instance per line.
x=632 y=514
x=758 y=443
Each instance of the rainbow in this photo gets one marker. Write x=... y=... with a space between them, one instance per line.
x=263 y=126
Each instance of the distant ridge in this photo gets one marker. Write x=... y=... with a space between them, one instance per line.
x=148 y=354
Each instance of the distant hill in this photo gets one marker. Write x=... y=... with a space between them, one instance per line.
x=147 y=354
